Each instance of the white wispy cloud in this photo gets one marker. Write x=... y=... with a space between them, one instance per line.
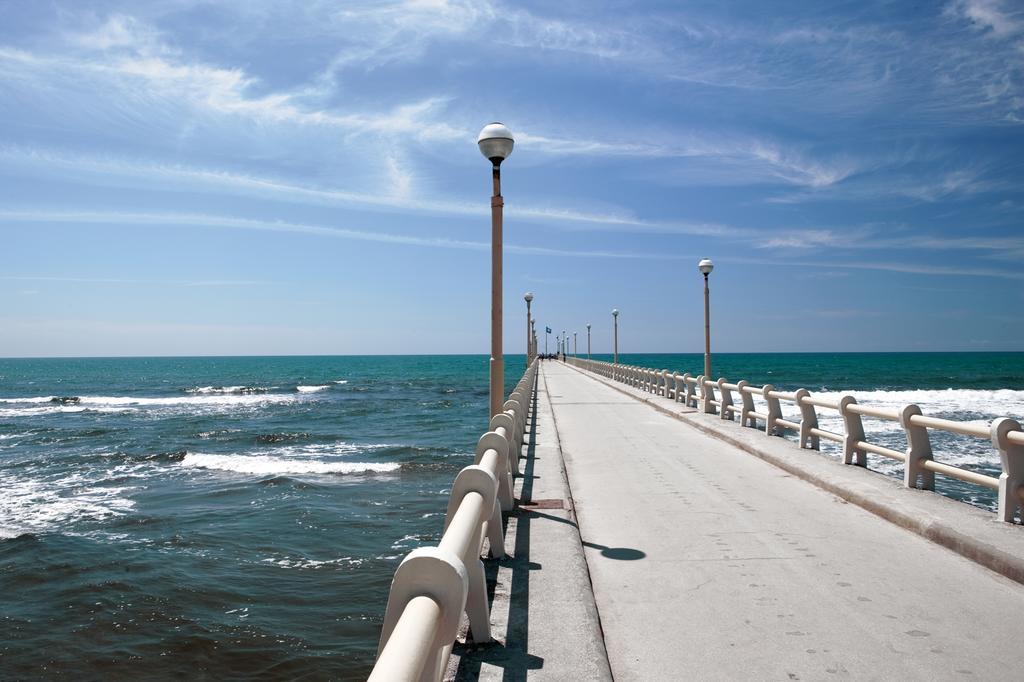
x=988 y=16
x=231 y=222
x=145 y=73
x=397 y=194
x=63 y=279
x=744 y=160
x=905 y=267
x=139 y=75
x=215 y=221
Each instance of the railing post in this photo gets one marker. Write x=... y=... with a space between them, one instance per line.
x=919 y=449
x=774 y=411
x=746 y=416
x=1012 y=457
x=495 y=441
x=725 y=397
x=808 y=421
x=664 y=382
x=475 y=479
x=427 y=572
x=854 y=433
x=707 y=393
x=690 y=399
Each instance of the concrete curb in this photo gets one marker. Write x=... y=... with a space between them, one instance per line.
x=978 y=545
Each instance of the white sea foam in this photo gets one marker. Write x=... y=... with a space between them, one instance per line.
x=972 y=406
x=33 y=505
x=38 y=399
x=215 y=399
x=265 y=465
x=206 y=390
x=340 y=381
x=312 y=389
x=950 y=401
x=302 y=562
x=100 y=403
x=56 y=409
x=322 y=449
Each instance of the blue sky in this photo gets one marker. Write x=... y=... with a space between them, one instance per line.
x=257 y=177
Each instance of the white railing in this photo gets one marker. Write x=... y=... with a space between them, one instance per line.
x=434 y=586
x=736 y=402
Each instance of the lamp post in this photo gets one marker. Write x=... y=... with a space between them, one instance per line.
x=615 y=316
x=547 y=335
x=574 y=347
x=706 y=266
x=528 y=297
x=565 y=345
x=588 y=341
x=533 y=337
x=495 y=142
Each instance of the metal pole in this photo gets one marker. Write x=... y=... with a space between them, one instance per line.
x=588 y=342
x=574 y=346
x=707 y=332
x=547 y=335
x=533 y=338
x=616 y=317
x=527 y=334
x=497 y=359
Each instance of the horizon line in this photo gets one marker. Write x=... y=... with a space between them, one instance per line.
x=487 y=355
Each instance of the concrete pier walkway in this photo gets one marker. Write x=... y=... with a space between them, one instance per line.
x=707 y=562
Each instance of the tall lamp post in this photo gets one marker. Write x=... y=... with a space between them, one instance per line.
x=615 y=316
x=565 y=345
x=574 y=347
x=528 y=298
x=495 y=142
x=533 y=337
x=706 y=266
x=588 y=341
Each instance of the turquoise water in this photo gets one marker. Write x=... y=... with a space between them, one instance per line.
x=241 y=518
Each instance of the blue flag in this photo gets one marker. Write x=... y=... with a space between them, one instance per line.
x=548 y=329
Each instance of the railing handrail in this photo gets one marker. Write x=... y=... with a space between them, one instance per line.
x=1005 y=434
x=434 y=586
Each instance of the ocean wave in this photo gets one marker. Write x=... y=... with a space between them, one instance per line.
x=33 y=505
x=969 y=406
x=264 y=465
x=281 y=437
x=329 y=449
x=100 y=403
x=37 y=399
x=61 y=409
x=242 y=390
x=302 y=562
x=950 y=401
x=340 y=381
x=313 y=388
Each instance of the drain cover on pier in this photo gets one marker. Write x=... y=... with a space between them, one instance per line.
x=553 y=503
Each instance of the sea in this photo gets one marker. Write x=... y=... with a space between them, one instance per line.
x=242 y=517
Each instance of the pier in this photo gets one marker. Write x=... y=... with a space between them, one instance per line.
x=649 y=536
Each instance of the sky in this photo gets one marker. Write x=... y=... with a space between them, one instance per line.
x=254 y=177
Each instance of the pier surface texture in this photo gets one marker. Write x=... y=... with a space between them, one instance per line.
x=645 y=547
